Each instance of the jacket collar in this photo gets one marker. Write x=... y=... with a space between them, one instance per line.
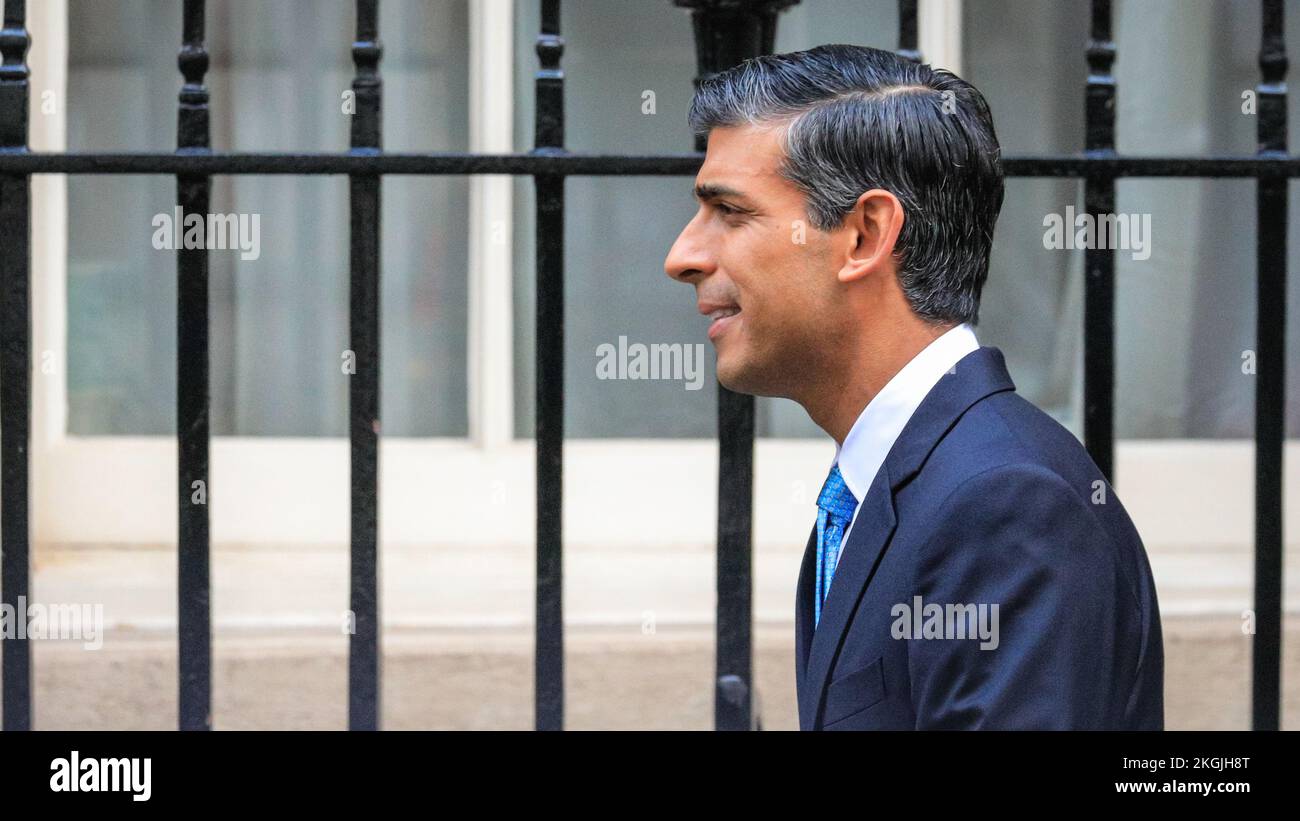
x=981 y=373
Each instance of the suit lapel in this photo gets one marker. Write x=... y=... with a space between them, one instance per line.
x=979 y=374
x=803 y=626
x=870 y=533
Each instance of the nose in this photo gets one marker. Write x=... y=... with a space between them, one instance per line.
x=689 y=258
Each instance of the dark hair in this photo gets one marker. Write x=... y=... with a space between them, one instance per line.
x=859 y=118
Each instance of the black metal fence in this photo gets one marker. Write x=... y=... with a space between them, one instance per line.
x=726 y=33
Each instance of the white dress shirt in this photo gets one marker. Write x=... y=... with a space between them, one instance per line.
x=873 y=434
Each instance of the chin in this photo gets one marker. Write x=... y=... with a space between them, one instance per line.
x=740 y=379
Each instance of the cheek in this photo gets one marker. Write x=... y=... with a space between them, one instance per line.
x=784 y=287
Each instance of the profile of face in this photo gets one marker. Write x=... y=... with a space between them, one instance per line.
x=772 y=286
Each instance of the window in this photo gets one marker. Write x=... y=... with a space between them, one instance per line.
x=280 y=320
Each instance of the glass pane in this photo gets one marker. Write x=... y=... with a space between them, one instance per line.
x=1185 y=314
x=1032 y=304
x=278 y=321
x=617 y=230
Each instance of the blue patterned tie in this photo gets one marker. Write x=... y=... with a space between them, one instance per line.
x=835 y=506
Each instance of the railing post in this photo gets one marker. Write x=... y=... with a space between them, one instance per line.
x=726 y=34
x=907 y=33
x=15 y=367
x=1270 y=387
x=548 y=663
x=363 y=387
x=194 y=608
x=1099 y=262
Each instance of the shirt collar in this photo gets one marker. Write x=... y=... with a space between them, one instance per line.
x=880 y=423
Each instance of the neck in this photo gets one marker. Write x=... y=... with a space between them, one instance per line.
x=835 y=403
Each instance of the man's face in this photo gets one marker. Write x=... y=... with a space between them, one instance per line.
x=766 y=278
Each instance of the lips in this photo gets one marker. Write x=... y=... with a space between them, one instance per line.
x=721 y=317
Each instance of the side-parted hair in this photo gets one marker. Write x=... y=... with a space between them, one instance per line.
x=857 y=118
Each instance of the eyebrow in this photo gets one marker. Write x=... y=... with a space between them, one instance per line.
x=707 y=192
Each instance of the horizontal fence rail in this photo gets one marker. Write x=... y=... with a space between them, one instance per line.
x=726 y=33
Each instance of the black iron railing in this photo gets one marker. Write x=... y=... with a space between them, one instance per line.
x=726 y=33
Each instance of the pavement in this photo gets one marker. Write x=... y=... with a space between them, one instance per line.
x=458 y=638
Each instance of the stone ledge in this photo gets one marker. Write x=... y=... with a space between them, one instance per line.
x=434 y=587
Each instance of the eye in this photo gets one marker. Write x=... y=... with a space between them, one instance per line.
x=726 y=210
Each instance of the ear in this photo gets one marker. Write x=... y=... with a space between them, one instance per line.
x=873 y=227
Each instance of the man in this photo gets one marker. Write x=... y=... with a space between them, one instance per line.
x=969 y=567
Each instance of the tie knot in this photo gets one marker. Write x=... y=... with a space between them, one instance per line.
x=836 y=498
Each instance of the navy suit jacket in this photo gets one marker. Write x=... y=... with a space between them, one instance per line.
x=984 y=500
